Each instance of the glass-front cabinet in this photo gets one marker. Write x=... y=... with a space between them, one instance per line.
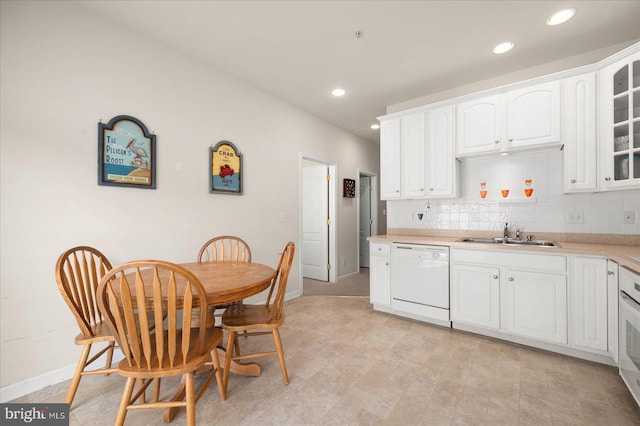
x=620 y=123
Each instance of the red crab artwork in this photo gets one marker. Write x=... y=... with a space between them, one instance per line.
x=225 y=171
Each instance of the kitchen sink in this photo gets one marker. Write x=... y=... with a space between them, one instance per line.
x=508 y=242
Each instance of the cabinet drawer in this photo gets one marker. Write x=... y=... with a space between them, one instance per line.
x=526 y=261
x=380 y=249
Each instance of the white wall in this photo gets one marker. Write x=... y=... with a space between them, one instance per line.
x=62 y=70
x=545 y=211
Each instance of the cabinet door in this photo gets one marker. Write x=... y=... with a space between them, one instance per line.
x=613 y=295
x=479 y=125
x=533 y=116
x=475 y=295
x=380 y=279
x=579 y=133
x=620 y=123
x=535 y=305
x=413 y=154
x=442 y=176
x=589 y=303
x=390 y=159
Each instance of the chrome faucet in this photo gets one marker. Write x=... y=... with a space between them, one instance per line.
x=505 y=235
x=518 y=234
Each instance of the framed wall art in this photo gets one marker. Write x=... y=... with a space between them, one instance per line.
x=126 y=153
x=349 y=188
x=225 y=169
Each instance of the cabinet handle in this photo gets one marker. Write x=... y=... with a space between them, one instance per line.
x=386 y=263
x=510 y=278
x=421 y=189
x=495 y=277
x=610 y=273
x=497 y=142
x=397 y=190
x=607 y=178
x=511 y=140
x=573 y=181
x=431 y=189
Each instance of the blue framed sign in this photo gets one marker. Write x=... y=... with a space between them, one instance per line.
x=126 y=153
x=225 y=169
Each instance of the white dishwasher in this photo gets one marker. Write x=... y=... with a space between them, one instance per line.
x=420 y=281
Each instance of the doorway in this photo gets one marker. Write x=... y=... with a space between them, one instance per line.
x=367 y=214
x=317 y=219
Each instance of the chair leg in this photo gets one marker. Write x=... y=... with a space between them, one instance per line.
x=227 y=361
x=124 y=402
x=283 y=366
x=219 y=379
x=156 y=390
x=73 y=387
x=109 y=361
x=190 y=400
x=143 y=396
x=236 y=345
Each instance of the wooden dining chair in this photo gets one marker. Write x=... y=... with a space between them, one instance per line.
x=224 y=248
x=138 y=294
x=78 y=273
x=260 y=319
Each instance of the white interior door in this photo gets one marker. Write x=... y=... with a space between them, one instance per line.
x=365 y=219
x=315 y=217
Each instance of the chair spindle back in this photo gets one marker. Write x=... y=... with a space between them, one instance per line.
x=78 y=273
x=136 y=296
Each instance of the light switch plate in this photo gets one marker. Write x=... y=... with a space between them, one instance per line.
x=629 y=217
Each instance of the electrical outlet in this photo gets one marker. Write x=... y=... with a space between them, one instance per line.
x=574 y=217
x=629 y=217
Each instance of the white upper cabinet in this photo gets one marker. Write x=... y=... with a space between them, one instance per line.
x=416 y=155
x=579 y=133
x=533 y=116
x=390 y=159
x=413 y=155
x=620 y=124
x=480 y=125
x=520 y=119
x=442 y=166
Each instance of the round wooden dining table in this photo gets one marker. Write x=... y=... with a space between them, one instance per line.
x=227 y=282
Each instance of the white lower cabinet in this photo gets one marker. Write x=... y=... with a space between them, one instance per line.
x=589 y=295
x=566 y=303
x=380 y=274
x=517 y=294
x=475 y=294
x=535 y=305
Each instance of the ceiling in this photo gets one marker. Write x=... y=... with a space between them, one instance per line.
x=298 y=51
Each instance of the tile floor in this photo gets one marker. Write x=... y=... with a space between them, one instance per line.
x=350 y=365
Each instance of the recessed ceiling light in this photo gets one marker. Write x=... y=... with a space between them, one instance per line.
x=503 y=47
x=338 y=92
x=561 y=17
x=375 y=126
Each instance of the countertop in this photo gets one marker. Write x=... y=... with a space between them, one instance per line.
x=627 y=255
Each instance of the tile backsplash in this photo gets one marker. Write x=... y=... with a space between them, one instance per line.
x=547 y=210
